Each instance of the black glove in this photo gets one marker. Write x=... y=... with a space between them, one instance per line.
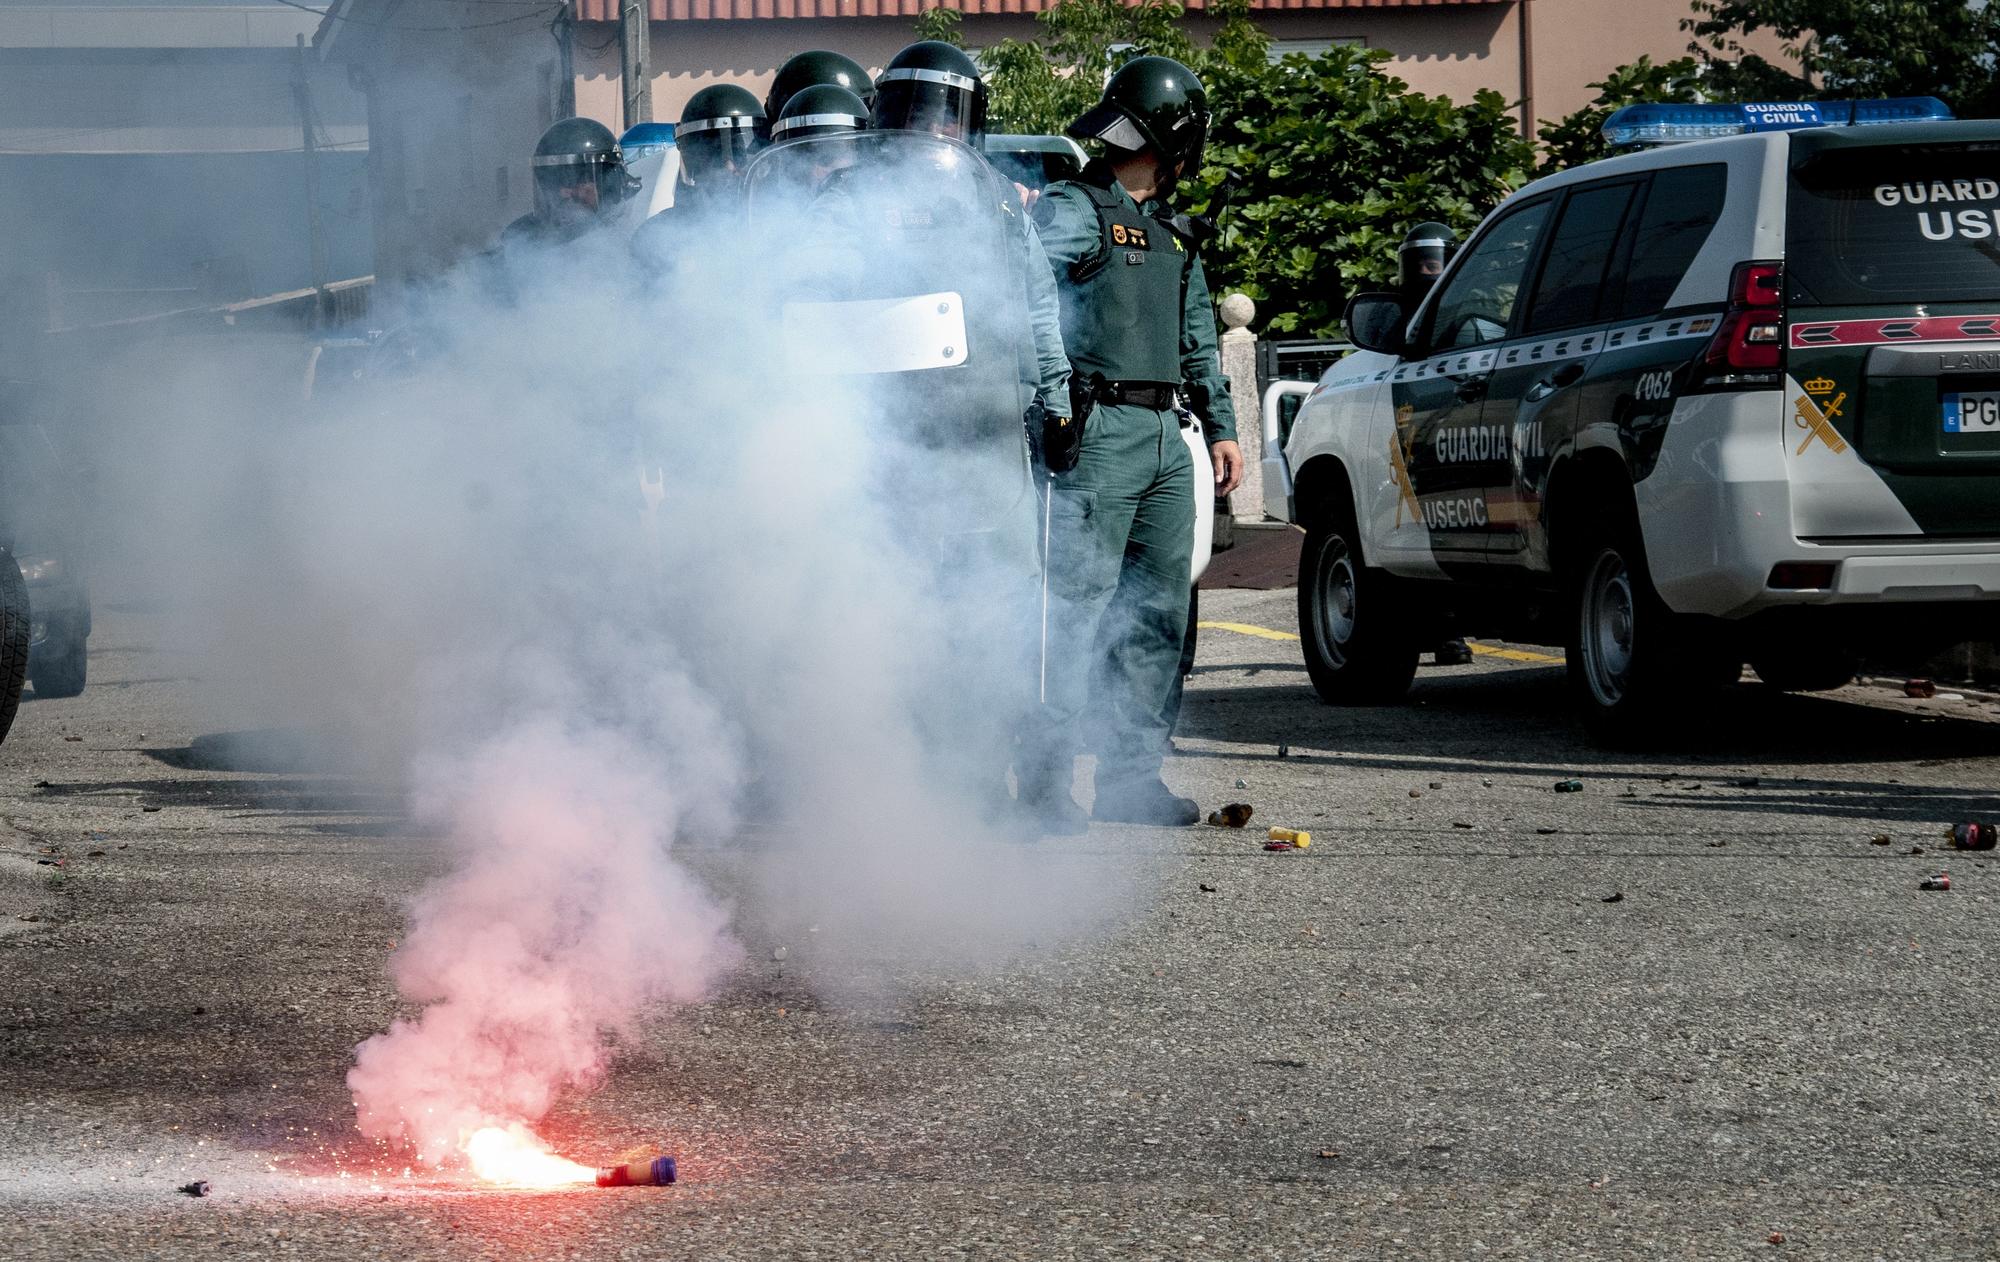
x=1057 y=440
x=1083 y=391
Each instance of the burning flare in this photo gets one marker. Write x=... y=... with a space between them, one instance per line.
x=513 y=1156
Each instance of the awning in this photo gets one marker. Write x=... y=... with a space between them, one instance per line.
x=727 y=10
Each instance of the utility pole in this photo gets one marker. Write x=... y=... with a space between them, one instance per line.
x=564 y=29
x=315 y=236
x=1527 y=69
x=635 y=58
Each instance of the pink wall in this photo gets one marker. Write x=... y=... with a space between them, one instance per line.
x=1452 y=52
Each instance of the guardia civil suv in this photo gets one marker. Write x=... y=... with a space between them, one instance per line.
x=1731 y=399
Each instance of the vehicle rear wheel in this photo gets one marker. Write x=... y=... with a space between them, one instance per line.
x=1632 y=662
x=1360 y=648
x=15 y=630
x=1810 y=669
x=61 y=662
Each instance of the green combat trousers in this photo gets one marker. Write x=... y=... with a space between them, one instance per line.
x=1121 y=538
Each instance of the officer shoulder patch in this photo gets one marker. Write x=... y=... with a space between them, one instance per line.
x=1128 y=234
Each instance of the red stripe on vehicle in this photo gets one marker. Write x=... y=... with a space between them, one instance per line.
x=1806 y=334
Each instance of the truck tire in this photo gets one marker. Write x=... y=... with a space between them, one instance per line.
x=1359 y=645
x=15 y=630
x=60 y=664
x=1631 y=671
x=1808 y=669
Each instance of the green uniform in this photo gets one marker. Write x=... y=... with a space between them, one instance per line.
x=1135 y=308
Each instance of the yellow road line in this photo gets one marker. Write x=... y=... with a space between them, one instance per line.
x=1517 y=655
x=1484 y=650
x=1244 y=628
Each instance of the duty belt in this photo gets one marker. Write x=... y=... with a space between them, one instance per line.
x=1157 y=395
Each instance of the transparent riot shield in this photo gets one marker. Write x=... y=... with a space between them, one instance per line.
x=894 y=268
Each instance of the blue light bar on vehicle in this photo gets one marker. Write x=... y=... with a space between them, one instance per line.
x=1673 y=124
x=644 y=138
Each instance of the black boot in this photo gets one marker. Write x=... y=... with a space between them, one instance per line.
x=1146 y=802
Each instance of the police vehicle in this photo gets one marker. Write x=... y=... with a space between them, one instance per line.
x=655 y=162
x=1034 y=162
x=1731 y=399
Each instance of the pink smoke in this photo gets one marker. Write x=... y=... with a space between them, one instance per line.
x=565 y=918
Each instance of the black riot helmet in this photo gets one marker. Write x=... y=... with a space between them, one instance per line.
x=1152 y=103
x=721 y=127
x=579 y=170
x=824 y=109
x=932 y=87
x=803 y=70
x=1421 y=258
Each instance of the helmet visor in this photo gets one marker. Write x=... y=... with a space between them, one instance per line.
x=1112 y=125
x=716 y=146
x=934 y=101
x=572 y=185
x=1421 y=262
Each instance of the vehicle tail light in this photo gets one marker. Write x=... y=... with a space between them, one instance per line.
x=1748 y=349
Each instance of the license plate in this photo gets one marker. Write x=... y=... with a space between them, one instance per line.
x=1972 y=412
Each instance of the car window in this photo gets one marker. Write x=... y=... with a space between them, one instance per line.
x=1477 y=304
x=1579 y=255
x=1895 y=224
x=1682 y=208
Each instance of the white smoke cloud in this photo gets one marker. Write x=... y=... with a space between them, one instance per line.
x=818 y=629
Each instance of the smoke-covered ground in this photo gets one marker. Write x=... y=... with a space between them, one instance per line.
x=1410 y=1032
x=588 y=569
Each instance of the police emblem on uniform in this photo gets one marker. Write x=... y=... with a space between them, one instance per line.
x=1134 y=258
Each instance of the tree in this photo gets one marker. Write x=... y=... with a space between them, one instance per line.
x=1844 y=48
x=1038 y=86
x=1855 y=48
x=1330 y=159
x=1579 y=137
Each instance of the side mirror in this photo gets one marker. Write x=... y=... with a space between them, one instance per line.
x=1375 y=322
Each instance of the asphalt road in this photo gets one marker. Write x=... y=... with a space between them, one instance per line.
x=1669 y=1016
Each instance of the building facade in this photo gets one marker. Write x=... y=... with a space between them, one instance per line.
x=1543 y=52
x=154 y=157
x=458 y=90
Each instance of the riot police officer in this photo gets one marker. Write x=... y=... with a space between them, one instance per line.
x=935 y=88
x=1138 y=326
x=580 y=178
x=815 y=66
x=1420 y=260
x=721 y=128
x=822 y=109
